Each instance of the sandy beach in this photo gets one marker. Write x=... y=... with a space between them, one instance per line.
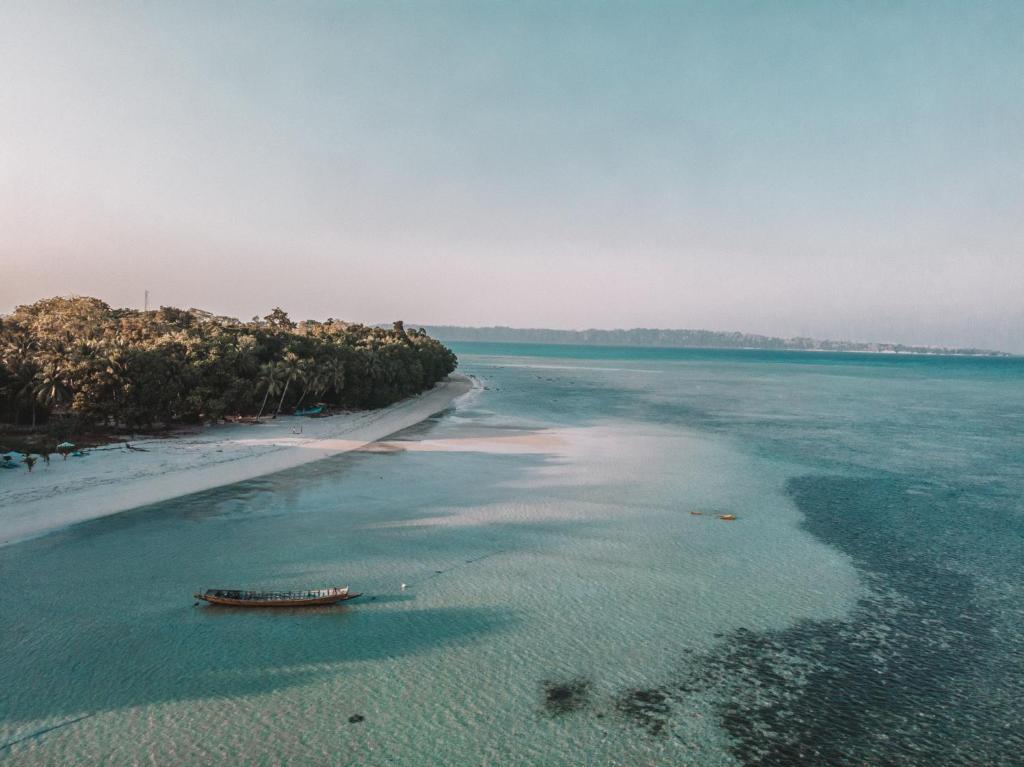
x=113 y=478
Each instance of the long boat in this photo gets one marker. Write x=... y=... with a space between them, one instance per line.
x=236 y=598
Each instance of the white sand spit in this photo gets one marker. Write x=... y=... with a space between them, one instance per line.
x=113 y=478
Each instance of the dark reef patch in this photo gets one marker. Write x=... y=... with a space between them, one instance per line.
x=648 y=708
x=927 y=671
x=562 y=698
x=924 y=672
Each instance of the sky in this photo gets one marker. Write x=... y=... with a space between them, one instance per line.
x=850 y=170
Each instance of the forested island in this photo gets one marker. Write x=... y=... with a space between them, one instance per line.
x=81 y=364
x=695 y=339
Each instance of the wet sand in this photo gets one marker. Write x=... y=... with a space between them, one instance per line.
x=115 y=478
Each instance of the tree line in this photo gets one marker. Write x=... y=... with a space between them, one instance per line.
x=80 y=359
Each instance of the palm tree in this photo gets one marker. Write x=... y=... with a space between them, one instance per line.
x=289 y=367
x=334 y=375
x=19 y=357
x=114 y=378
x=313 y=380
x=270 y=377
x=375 y=365
x=26 y=378
x=51 y=387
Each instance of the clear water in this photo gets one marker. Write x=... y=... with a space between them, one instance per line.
x=562 y=604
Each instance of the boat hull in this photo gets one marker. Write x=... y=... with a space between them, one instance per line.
x=276 y=602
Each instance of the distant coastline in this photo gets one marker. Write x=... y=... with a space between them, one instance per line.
x=686 y=339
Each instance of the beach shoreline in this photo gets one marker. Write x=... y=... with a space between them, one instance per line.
x=114 y=478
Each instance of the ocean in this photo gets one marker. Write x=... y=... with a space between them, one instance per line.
x=548 y=581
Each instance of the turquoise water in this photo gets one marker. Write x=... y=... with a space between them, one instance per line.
x=562 y=605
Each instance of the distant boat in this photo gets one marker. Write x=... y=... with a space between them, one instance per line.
x=315 y=410
x=277 y=598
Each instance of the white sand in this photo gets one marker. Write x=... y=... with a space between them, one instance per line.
x=113 y=478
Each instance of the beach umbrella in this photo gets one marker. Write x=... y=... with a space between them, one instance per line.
x=65 y=445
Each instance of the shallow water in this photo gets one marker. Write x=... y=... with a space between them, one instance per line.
x=562 y=603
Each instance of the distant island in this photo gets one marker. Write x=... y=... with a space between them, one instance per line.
x=682 y=339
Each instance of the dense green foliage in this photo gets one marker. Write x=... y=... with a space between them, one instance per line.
x=78 y=358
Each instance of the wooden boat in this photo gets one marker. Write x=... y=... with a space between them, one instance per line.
x=315 y=410
x=727 y=517
x=237 y=598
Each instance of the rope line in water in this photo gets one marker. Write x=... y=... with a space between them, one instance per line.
x=453 y=567
x=40 y=733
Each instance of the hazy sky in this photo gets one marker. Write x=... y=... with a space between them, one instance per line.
x=834 y=169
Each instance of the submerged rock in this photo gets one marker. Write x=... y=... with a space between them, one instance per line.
x=565 y=697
